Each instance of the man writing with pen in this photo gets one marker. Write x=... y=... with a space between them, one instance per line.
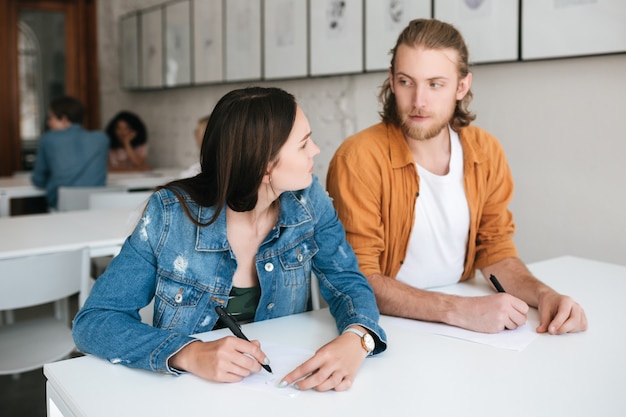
x=423 y=197
x=241 y=239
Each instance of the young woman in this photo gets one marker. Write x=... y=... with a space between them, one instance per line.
x=245 y=234
x=129 y=143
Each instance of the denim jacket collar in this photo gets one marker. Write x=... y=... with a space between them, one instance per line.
x=292 y=213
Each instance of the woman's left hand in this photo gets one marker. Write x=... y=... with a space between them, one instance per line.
x=333 y=366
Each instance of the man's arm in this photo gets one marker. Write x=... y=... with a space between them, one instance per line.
x=558 y=313
x=488 y=314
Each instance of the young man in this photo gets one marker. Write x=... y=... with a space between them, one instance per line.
x=423 y=197
x=68 y=155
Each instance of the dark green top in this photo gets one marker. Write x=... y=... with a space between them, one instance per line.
x=242 y=304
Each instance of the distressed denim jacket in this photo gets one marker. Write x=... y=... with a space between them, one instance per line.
x=188 y=270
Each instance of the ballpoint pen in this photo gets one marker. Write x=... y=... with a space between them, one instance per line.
x=496 y=283
x=232 y=324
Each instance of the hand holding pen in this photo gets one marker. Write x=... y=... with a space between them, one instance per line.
x=234 y=327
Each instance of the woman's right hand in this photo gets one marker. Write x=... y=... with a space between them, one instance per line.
x=229 y=359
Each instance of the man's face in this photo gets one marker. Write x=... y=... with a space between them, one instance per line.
x=427 y=86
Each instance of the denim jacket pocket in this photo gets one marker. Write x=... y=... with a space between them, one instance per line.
x=174 y=299
x=296 y=261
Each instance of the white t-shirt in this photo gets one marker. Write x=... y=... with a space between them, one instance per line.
x=438 y=242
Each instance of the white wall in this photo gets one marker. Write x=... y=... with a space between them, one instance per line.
x=557 y=120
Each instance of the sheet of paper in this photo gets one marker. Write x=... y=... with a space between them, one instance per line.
x=516 y=339
x=284 y=359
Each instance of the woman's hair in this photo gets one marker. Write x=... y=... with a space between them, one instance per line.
x=430 y=34
x=69 y=107
x=244 y=135
x=134 y=122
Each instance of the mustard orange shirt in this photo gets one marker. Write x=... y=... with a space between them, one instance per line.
x=374 y=183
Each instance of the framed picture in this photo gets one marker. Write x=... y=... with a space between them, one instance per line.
x=336 y=36
x=208 y=57
x=243 y=40
x=384 y=20
x=490 y=27
x=129 y=51
x=177 y=43
x=285 y=39
x=561 y=28
x=152 y=48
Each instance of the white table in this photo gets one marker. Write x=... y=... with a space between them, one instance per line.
x=102 y=231
x=420 y=374
x=20 y=186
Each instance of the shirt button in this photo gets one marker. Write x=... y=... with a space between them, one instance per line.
x=269 y=267
x=270 y=306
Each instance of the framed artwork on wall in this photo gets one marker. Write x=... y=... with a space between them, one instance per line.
x=152 y=48
x=490 y=27
x=285 y=45
x=565 y=28
x=129 y=51
x=384 y=20
x=208 y=57
x=336 y=36
x=177 y=44
x=243 y=40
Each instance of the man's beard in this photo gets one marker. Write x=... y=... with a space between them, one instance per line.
x=417 y=132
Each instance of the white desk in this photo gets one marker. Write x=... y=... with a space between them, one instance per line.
x=20 y=186
x=102 y=231
x=420 y=374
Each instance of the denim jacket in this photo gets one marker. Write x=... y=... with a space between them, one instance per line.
x=188 y=269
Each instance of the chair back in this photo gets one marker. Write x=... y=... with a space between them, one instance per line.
x=39 y=279
x=28 y=281
x=119 y=199
x=77 y=198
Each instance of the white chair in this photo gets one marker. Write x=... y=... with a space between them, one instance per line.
x=77 y=198
x=119 y=199
x=27 y=344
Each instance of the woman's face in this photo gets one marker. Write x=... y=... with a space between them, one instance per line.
x=124 y=132
x=294 y=168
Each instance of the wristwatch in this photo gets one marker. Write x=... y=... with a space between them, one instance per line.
x=367 y=341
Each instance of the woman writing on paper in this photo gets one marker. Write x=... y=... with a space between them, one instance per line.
x=252 y=226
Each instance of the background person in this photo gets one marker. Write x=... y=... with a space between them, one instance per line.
x=69 y=155
x=198 y=133
x=128 y=143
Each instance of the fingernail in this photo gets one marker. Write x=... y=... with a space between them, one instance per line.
x=266 y=361
x=296 y=387
x=283 y=384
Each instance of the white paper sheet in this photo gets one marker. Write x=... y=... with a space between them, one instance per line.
x=516 y=339
x=284 y=359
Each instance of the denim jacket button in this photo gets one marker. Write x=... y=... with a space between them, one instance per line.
x=269 y=267
x=178 y=298
x=270 y=306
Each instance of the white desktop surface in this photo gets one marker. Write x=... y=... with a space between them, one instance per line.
x=420 y=374
x=100 y=230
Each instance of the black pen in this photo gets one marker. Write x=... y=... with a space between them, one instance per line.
x=496 y=283
x=234 y=327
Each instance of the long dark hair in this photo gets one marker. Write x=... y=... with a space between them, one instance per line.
x=244 y=135
x=134 y=122
x=430 y=34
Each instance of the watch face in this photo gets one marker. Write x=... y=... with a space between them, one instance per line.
x=368 y=341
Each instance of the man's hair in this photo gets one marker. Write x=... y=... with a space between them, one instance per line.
x=68 y=107
x=244 y=135
x=429 y=34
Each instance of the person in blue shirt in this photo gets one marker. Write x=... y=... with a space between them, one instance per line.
x=69 y=155
x=246 y=234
